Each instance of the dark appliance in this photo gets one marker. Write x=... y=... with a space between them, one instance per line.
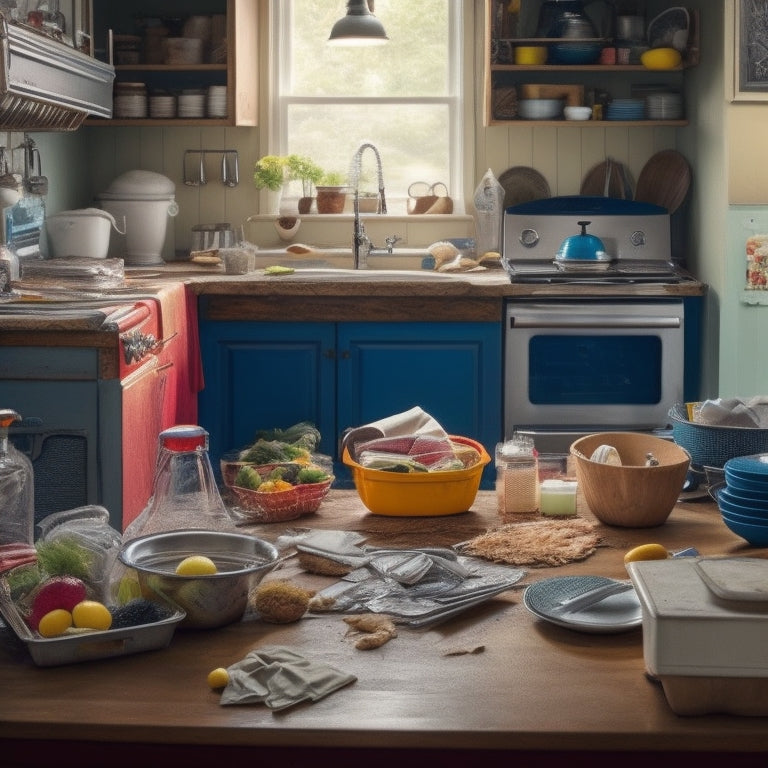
x=595 y=344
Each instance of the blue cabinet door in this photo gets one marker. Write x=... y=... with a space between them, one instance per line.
x=266 y=375
x=261 y=375
x=451 y=370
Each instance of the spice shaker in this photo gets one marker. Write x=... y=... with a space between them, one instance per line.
x=17 y=493
x=517 y=476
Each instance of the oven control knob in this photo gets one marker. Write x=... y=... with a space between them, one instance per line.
x=637 y=238
x=529 y=238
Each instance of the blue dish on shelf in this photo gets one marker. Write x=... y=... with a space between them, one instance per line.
x=574 y=52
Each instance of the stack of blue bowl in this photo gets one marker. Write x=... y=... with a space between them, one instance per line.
x=743 y=499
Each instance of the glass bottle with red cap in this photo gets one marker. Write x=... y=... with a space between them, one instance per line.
x=17 y=494
x=185 y=494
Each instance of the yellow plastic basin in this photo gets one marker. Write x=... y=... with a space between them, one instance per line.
x=419 y=494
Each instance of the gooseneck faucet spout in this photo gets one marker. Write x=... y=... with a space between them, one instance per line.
x=361 y=244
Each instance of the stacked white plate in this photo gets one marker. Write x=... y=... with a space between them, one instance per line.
x=217 y=101
x=191 y=104
x=625 y=109
x=664 y=106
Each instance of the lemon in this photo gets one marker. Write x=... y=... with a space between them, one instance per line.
x=55 y=623
x=218 y=678
x=196 y=565
x=91 y=614
x=646 y=552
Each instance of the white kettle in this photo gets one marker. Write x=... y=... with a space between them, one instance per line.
x=82 y=232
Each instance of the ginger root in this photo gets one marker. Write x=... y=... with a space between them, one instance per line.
x=377 y=630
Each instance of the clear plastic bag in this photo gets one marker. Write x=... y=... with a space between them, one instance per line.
x=89 y=527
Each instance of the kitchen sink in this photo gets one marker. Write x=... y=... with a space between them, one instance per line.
x=341 y=259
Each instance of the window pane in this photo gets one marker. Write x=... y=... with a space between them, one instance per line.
x=413 y=140
x=413 y=63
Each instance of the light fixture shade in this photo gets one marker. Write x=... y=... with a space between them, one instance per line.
x=358 y=27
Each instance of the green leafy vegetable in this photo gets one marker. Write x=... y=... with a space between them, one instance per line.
x=65 y=556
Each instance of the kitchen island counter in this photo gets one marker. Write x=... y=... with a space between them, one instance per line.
x=494 y=683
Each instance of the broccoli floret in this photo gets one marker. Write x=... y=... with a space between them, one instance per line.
x=247 y=477
x=312 y=475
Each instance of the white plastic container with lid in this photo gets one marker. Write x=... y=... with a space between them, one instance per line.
x=145 y=200
x=82 y=232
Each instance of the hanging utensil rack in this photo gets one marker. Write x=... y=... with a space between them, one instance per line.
x=194 y=172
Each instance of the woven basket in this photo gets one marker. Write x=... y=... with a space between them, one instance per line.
x=630 y=495
x=713 y=446
x=282 y=505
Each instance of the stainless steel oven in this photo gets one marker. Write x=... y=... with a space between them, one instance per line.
x=572 y=368
x=599 y=347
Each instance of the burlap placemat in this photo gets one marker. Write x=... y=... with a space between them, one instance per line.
x=536 y=543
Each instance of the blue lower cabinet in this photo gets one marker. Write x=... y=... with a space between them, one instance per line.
x=261 y=375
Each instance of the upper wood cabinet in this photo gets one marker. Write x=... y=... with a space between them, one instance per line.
x=505 y=82
x=129 y=23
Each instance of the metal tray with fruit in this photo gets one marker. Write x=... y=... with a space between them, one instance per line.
x=125 y=636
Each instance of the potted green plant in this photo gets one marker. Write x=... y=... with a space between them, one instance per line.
x=273 y=172
x=331 y=192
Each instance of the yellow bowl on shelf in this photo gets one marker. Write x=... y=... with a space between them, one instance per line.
x=661 y=58
x=531 y=54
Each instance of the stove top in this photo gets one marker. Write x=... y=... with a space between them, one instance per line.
x=634 y=235
x=616 y=272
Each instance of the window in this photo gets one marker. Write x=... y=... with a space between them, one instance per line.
x=405 y=97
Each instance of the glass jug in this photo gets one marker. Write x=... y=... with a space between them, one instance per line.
x=185 y=494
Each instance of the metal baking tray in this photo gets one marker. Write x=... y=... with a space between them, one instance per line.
x=70 y=649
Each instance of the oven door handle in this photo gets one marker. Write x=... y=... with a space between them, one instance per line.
x=600 y=323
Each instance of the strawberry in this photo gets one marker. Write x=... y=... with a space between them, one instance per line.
x=57 y=592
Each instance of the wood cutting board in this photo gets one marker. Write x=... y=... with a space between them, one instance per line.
x=619 y=184
x=664 y=180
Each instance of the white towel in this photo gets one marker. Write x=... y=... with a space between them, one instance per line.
x=735 y=412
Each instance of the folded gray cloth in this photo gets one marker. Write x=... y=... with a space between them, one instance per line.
x=280 y=678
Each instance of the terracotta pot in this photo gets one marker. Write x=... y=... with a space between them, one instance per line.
x=331 y=199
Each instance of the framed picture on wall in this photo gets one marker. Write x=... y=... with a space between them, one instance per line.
x=750 y=49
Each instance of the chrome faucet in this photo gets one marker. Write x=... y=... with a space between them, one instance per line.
x=361 y=244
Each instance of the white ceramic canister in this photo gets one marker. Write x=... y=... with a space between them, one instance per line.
x=146 y=200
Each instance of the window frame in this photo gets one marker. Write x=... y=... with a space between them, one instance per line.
x=456 y=97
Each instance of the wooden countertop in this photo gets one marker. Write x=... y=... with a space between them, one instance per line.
x=532 y=688
x=491 y=283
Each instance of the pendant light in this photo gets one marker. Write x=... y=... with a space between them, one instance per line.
x=359 y=27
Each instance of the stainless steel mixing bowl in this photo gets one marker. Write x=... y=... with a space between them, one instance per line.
x=211 y=600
